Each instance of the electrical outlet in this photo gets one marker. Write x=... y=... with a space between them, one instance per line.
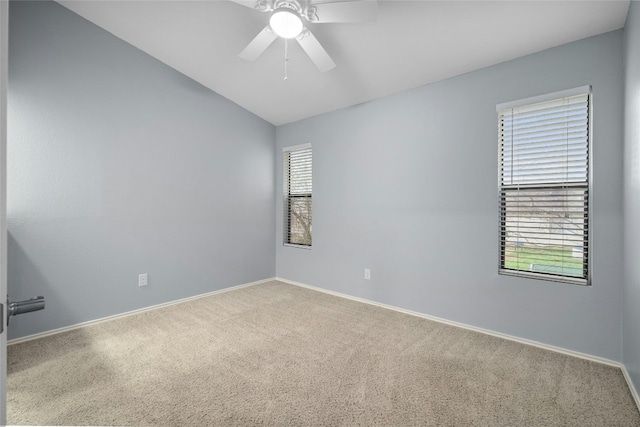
x=142 y=279
x=367 y=274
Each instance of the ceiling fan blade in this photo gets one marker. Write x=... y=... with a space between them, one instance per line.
x=343 y=11
x=316 y=52
x=258 y=45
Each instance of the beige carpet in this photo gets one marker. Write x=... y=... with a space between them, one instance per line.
x=276 y=354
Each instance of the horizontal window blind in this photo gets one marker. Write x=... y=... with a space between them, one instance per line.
x=297 y=192
x=544 y=189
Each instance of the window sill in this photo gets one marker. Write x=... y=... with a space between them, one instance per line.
x=291 y=245
x=547 y=277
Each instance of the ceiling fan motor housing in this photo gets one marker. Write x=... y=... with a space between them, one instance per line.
x=288 y=4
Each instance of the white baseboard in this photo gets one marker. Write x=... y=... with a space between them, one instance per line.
x=632 y=388
x=462 y=325
x=131 y=313
x=625 y=373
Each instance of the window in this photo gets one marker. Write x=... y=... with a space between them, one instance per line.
x=297 y=195
x=544 y=147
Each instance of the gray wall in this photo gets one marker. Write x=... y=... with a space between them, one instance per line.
x=407 y=186
x=631 y=322
x=119 y=165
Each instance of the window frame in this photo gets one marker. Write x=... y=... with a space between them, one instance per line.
x=287 y=197
x=587 y=186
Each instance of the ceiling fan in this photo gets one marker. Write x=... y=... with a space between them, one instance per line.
x=287 y=20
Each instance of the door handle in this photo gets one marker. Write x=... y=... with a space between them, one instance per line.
x=26 y=306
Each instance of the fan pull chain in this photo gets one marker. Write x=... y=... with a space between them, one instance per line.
x=286 y=57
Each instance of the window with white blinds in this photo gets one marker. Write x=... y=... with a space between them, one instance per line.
x=544 y=188
x=297 y=195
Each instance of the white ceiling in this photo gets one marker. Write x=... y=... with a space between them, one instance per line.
x=411 y=43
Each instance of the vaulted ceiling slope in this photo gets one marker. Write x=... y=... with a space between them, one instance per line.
x=410 y=44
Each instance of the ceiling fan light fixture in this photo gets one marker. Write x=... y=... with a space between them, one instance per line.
x=286 y=23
